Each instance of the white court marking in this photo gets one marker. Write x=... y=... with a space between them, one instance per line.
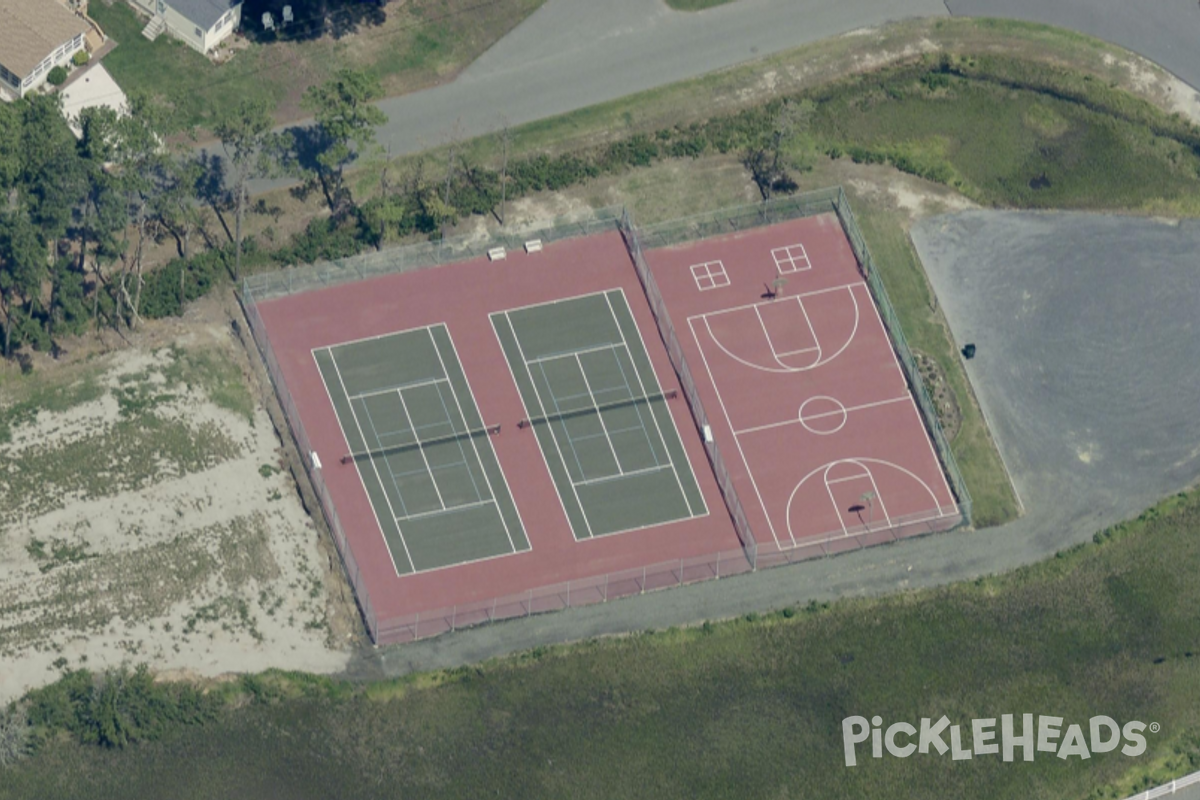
x=493 y=500
x=839 y=411
x=783 y=368
x=791 y=258
x=710 y=275
x=614 y=346
x=858 y=314
x=861 y=463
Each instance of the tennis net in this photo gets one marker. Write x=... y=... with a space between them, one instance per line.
x=598 y=408
x=491 y=430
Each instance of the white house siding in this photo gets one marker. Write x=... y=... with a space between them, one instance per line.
x=223 y=28
x=57 y=57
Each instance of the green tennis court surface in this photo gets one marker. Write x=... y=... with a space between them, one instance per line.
x=599 y=414
x=415 y=435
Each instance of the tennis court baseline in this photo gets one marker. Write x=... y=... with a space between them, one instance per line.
x=414 y=433
x=599 y=414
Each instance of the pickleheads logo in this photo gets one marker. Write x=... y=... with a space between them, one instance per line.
x=901 y=739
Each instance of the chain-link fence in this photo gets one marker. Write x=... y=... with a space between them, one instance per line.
x=806 y=204
x=293 y=280
x=892 y=321
x=328 y=509
x=667 y=331
x=611 y=586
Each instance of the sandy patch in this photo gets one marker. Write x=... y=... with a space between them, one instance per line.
x=912 y=195
x=210 y=567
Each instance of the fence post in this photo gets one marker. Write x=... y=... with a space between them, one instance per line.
x=718 y=565
x=606 y=587
x=643 y=581
x=529 y=607
x=568 y=594
x=492 y=618
x=453 y=618
x=417 y=626
x=681 y=572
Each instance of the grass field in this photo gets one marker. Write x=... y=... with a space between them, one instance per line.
x=749 y=708
x=421 y=43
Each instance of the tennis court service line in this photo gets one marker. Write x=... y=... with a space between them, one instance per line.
x=554 y=437
x=642 y=385
x=457 y=404
x=362 y=437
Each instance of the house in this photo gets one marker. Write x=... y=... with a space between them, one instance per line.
x=201 y=24
x=35 y=37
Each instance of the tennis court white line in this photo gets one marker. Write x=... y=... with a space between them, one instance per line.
x=528 y=413
x=642 y=385
x=474 y=445
x=554 y=302
x=813 y=293
x=542 y=405
x=449 y=510
x=603 y=426
x=399 y=388
x=630 y=474
x=797 y=421
x=412 y=565
x=725 y=411
x=512 y=498
x=350 y=449
x=421 y=447
x=575 y=353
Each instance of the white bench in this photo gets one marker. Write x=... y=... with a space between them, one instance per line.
x=533 y=246
x=497 y=254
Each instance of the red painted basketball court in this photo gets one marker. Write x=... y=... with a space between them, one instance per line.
x=808 y=402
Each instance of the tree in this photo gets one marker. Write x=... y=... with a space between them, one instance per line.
x=142 y=161
x=766 y=159
x=22 y=268
x=346 y=123
x=253 y=152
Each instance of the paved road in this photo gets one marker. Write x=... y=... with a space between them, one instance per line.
x=1088 y=368
x=571 y=54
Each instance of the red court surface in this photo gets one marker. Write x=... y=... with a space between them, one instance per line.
x=461 y=296
x=806 y=398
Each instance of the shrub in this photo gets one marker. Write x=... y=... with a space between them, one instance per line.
x=80 y=58
x=57 y=76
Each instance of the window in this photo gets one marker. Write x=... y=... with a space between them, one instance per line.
x=199 y=33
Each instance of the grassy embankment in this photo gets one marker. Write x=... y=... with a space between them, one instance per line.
x=750 y=708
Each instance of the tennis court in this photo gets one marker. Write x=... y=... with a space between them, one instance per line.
x=599 y=413
x=424 y=454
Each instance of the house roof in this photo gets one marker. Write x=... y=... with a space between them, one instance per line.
x=30 y=30
x=203 y=13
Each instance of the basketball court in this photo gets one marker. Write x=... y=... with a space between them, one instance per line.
x=802 y=387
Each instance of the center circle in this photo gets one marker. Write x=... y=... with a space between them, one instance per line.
x=822 y=415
